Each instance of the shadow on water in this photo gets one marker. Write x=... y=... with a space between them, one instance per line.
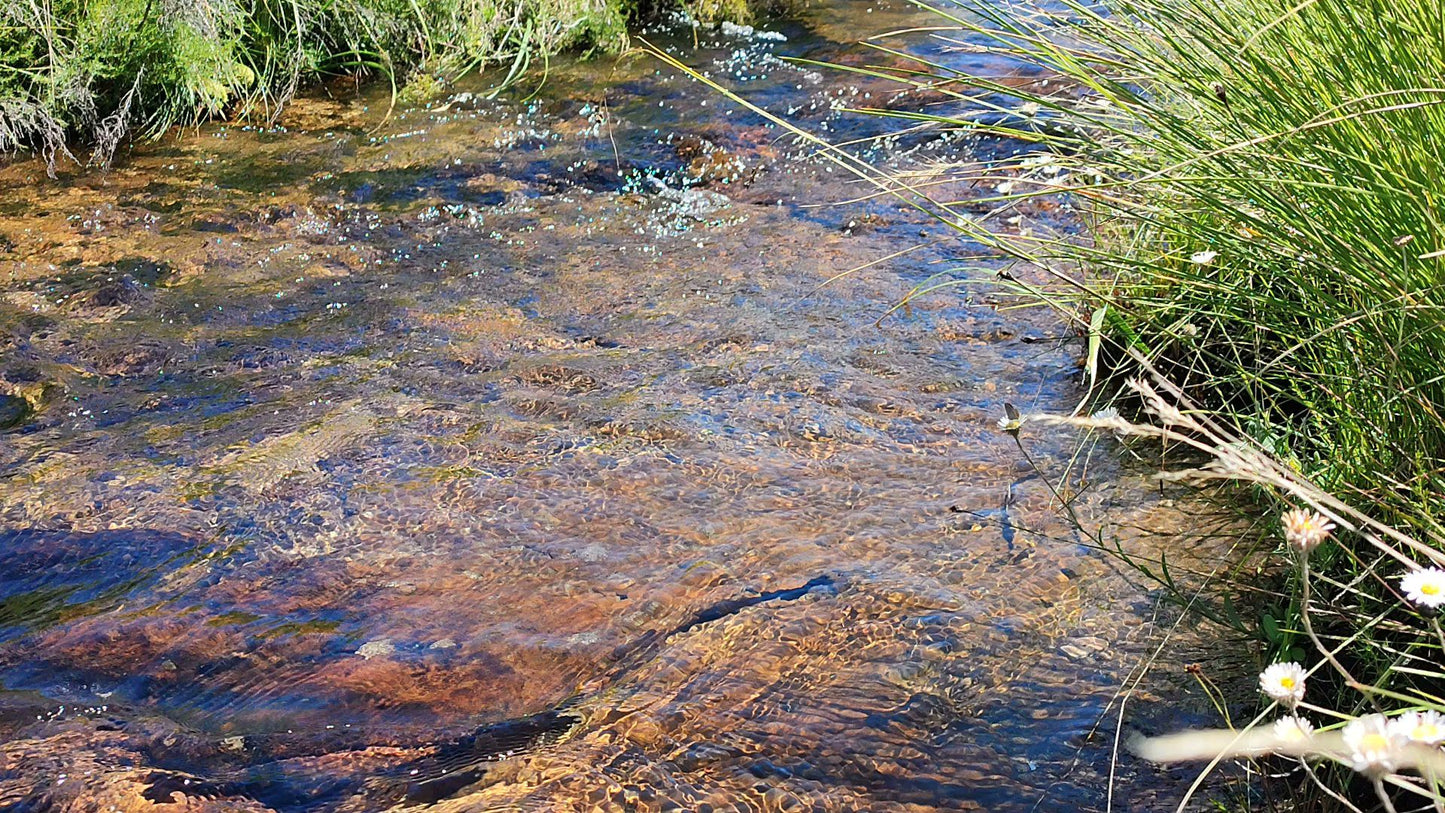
x=48 y=577
x=489 y=456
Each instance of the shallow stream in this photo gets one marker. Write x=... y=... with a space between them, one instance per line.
x=513 y=455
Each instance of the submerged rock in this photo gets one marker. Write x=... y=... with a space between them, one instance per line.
x=379 y=648
x=14 y=411
x=694 y=203
x=748 y=32
x=707 y=163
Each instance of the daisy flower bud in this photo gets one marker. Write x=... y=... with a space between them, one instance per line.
x=1284 y=682
x=1426 y=727
x=1305 y=530
x=1425 y=587
x=1374 y=745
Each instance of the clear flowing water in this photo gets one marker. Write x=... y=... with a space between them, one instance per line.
x=514 y=455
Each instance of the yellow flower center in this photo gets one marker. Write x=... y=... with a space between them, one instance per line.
x=1430 y=589
x=1425 y=731
x=1286 y=682
x=1374 y=742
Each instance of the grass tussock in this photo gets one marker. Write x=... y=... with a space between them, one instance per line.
x=99 y=71
x=1263 y=180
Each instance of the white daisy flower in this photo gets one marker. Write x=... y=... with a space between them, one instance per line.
x=1421 y=726
x=1012 y=421
x=1203 y=257
x=1293 y=731
x=1425 y=587
x=1305 y=530
x=1374 y=746
x=1284 y=682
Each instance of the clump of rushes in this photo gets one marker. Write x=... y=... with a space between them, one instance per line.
x=1261 y=181
x=99 y=71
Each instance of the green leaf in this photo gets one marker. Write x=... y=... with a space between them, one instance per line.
x=1271 y=628
x=1231 y=613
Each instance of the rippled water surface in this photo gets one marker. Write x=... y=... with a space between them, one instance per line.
x=512 y=455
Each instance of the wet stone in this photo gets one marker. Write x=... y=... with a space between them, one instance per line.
x=14 y=411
